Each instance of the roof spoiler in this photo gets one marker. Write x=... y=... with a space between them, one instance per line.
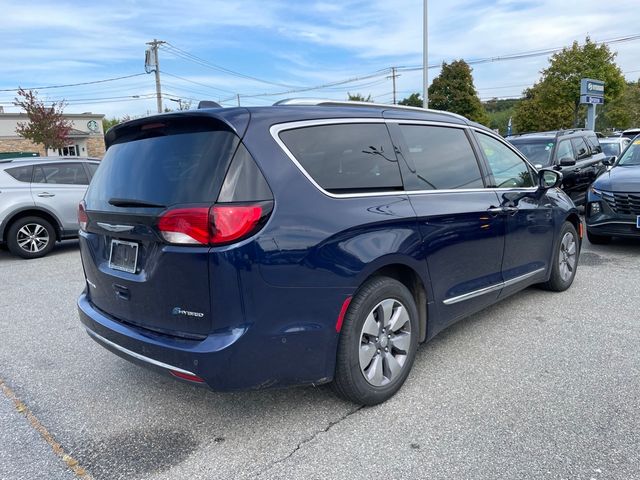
x=208 y=104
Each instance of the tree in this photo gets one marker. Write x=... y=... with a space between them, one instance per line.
x=358 y=97
x=47 y=125
x=453 y=91
x=554 y=102
x=412 y=100
x=622 y=113
x=499 y=112
x=107 y=123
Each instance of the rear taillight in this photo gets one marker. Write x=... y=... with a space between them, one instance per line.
x=233 y=222
x=83 y=218
x=186 y=226
x=217 y=225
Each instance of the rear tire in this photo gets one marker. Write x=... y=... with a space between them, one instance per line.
x=565 y=260
x=378 y=342
x=31 y=237
x=598 y=239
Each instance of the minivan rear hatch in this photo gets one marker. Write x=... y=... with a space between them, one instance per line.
x=165 y=163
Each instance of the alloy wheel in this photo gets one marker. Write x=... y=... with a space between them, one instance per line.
x=384 y=342
x=567 y=258
x=33 y=238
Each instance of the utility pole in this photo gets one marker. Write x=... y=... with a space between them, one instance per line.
x=425 y=59
x=393 y=77
x=152 y=60
x=238 y=96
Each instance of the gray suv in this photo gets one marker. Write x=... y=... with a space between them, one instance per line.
x=39 y=200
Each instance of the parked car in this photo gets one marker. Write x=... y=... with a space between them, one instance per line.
x=631 y=132
x=576 y=153
x=38 y=201
x=245 y=248
x=613 y=146
x=613 y=208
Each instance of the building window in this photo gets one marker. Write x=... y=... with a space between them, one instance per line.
x=70 y=151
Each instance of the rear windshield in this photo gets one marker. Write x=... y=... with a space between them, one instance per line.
x=168 y=169
x=611 y=149
x=537 y=152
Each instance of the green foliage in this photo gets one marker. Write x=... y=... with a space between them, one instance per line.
x=47 y=125
x=453 y=91
x=554 y=102
x=623 y=112
x=356 y=97
x=499 y=112
x=413 y=100
x=107 y=123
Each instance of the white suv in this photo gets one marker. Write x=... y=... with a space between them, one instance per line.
x=39 y=199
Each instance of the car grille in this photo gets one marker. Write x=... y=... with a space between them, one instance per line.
x=624 y=203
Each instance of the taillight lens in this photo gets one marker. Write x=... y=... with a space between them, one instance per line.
x=185 y=226
x=217 y=225
x=233 y=222
x=83 y=218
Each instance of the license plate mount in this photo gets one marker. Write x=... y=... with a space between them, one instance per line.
x=123 y=256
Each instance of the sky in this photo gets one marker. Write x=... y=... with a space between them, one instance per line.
x=264 y=50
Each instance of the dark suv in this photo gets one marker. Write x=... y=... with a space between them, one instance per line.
x=247 y=248
x=576 y=153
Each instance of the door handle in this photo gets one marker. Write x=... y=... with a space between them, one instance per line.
x=510 y=210
x=493 y=211
x=46 y=194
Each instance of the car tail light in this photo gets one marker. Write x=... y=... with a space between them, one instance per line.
x=217 y=225
x=185 y=226
x=83 y=218
x=233 y=222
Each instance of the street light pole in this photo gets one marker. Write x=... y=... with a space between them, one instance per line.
x=425 y=58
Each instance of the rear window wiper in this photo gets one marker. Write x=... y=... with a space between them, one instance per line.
x=132 y=202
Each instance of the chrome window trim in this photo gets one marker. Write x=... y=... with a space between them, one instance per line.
x=137 y=356
x=491 y=288
x=276 y=129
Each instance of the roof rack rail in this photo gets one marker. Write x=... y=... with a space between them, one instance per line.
x=349 y=103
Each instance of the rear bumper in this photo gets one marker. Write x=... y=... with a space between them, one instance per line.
x=239 y=358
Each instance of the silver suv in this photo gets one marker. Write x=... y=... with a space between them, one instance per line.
x=39 y=200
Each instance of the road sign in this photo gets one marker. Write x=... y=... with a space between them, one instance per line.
x=591 y=87
x=591 y=100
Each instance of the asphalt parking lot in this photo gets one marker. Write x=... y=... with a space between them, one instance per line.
x=541 y=385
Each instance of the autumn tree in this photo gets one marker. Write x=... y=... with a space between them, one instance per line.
x=554 y=102
x=413 y=100
x=46 y=125
x=453 y=91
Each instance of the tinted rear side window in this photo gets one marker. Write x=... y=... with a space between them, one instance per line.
x=164 y=169
x=61 y=173
x=442 y=156
x=22 y=174
x=347 y=157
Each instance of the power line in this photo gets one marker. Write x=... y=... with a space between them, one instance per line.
x=74 y=84
x=196 y=83
x=188 y=56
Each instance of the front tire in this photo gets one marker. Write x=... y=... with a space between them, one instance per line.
x=565 y=260
x=378 y=342
x=31 y=237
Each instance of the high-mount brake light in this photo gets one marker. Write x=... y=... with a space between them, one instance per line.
x=83 y=218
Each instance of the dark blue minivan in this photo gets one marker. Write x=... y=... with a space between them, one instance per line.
x=247 y=248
